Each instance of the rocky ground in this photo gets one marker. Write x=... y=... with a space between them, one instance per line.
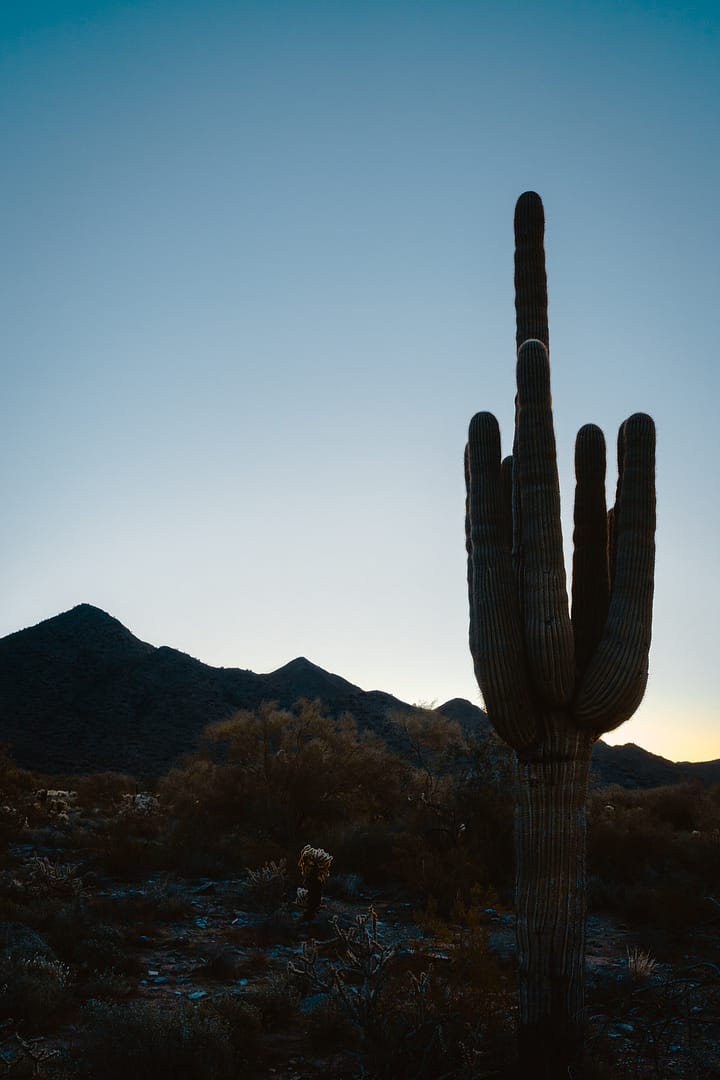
x=107 y=970
x=201 y=941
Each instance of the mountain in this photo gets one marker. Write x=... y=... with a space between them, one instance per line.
x=80 y=693
x=628 y=766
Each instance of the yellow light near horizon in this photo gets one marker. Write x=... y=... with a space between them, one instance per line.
x=680 y=730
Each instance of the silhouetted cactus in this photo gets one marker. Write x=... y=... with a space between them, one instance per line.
x=552 y=680
x=314 y=865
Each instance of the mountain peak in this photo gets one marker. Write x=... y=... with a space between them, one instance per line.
x=81 y=614
x=300 y=663
x=88 y=612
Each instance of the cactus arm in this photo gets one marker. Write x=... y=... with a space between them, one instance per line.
x=530 y=276
x=612 y=512
x=495 y=631
x=611 y=544
x=615 y=681
x=590 y=579
x=468 y=548
x=548 y=630
x=506 y=484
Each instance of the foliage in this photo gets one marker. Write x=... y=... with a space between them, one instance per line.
x=283 y=771
x=658 y=1023
x=32 y=988
x=404 y=1012
x=653 y=855
x=146 y=1041
x=436 y=1006
x=267 y=887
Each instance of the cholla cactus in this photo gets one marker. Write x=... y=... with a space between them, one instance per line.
x=356 y=981
x=315 y=859
x=314 y=866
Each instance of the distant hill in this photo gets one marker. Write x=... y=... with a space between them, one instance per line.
x=80 y=693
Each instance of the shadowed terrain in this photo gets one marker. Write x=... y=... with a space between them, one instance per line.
x=80 y=693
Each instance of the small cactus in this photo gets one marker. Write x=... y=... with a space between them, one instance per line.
x=554 y=677
x=314 y=866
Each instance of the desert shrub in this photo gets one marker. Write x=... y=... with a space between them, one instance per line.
x=404 y=1012
x=222 y=961
x=103 y=791
x=452 y=826
x=18 y=939
x=79 y=939
x=653 y=854
x=266 y=888
x=368 y=848
x=160 y=899
x=107 y=984
x=684 y=807
x=432 y=813
x=32 y=988
x=20 y=901
x=15 y=783
x=144 y=1040
x=243 y=1019
x=282 y=774
x=457 y=822
x=13 y=826
x=124 y=841
x=275 y=997
x=277 y=927
x=354 y=982
x=347 y=886
x=655 y=1024
x=48 y=878
x=17 y=788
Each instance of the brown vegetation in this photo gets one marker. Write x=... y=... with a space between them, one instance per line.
x=116 y=956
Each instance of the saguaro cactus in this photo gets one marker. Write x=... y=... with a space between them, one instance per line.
x=554 y=680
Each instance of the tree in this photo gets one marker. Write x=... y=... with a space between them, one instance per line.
x=554 y=680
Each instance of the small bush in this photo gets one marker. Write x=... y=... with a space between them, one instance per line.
x=17 y=939
x=652 y=855
x=406 y=1013
x=275 y=998
x=158 y=900
x=346 y=886
x=46 y=878
x=103 y=791
x=222 y=962
x=33 y=988
x=267 y=887
x=145 y=1041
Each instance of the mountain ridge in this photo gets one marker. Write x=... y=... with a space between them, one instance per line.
x=79 y=692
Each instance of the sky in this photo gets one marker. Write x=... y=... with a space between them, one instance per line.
x=257 y=275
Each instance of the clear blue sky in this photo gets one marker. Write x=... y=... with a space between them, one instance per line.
x=256 y=276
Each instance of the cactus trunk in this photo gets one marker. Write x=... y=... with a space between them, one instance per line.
x=550 y=846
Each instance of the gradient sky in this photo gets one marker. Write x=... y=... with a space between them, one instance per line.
x=257 y=274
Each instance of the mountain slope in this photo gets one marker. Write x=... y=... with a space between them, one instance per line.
x=628 y=765
x=80 y=693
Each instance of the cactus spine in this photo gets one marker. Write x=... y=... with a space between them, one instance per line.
x=554 y=680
